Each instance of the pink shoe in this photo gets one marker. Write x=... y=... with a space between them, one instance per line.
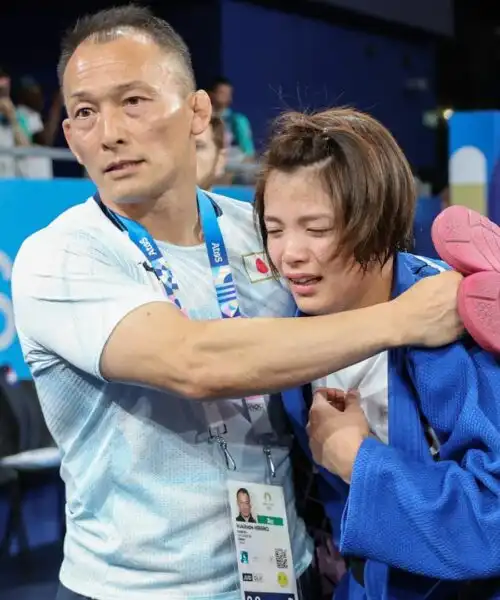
x=467 y=241
x=470 y=243
x=479 y=309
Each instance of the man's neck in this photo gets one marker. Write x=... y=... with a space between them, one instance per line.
x=173 y=217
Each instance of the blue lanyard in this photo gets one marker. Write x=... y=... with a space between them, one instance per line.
x=216 y=249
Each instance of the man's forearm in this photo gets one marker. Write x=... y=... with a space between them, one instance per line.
x=235 y=357
x=155 y=345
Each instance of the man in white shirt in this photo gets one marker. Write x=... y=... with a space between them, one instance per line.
x=131 y=389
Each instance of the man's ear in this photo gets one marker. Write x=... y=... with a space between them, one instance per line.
x=202 y=112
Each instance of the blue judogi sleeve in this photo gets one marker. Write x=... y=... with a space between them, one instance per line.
x=439 y=519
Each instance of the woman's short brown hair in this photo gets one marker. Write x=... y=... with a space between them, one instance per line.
x=364 y=170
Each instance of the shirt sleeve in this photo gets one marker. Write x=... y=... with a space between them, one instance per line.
x=69 y=294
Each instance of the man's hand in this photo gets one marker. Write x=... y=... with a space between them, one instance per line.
x=7 y=109
x=337 y=427
x=426 y=315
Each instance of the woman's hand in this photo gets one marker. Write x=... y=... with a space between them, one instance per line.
x=337 y=427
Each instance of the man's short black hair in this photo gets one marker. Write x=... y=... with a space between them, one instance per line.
x=104 y=26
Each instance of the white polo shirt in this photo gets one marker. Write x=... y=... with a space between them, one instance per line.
x=147 y=512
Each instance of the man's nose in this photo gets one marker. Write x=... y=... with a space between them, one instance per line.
x=112 y=125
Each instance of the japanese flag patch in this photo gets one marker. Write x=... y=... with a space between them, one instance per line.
x=257 y=267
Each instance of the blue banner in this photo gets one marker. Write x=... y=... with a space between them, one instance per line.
x=26 y=207
x=474 y=163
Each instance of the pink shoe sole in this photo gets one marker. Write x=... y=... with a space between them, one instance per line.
x=479 y=309
x=467 y=241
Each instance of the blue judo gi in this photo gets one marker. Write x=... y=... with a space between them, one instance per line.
x=424 y=526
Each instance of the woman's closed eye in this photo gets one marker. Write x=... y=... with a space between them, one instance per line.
x=274 y=231
x=319 y=231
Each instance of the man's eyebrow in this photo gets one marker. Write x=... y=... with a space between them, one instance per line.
x=122 y=87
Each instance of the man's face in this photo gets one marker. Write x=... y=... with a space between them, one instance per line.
x=210 y=159
x=244 y=505
x=222 y=96
x=130 y=121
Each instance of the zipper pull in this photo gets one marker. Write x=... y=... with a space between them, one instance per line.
x=270 y=463
x=230 y=464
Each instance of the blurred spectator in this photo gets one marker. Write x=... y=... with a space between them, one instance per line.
x=13 y=127
x=30 y=106
x=239 y=139
x=210 y=154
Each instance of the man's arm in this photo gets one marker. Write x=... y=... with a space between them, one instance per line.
x=156 y=345
x=78 y=300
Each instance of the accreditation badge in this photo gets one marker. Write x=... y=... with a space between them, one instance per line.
x=264 y=554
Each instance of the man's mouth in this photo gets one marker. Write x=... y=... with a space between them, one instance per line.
x=122 y=165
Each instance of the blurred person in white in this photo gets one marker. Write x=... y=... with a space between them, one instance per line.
x=13 y=128
x=155 y=396
x=30 y=104
x=210 y=154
